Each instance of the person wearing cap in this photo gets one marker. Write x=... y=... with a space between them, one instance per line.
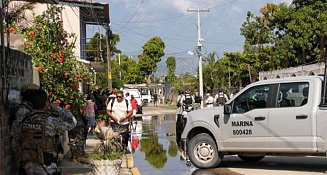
x=209 y=100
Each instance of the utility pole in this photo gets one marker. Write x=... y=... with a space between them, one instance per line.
x=119 y=66
x=109 y=57
x=198 y=51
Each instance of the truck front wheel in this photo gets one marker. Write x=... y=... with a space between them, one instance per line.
x=203 y=152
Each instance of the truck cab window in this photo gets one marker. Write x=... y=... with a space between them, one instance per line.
x=253 y=98
x=293 y=94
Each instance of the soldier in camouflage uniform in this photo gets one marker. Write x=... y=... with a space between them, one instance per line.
x=35 y=131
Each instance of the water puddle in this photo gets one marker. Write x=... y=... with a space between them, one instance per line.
x=157 y=152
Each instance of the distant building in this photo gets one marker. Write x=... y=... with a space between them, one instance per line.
x=304 y=70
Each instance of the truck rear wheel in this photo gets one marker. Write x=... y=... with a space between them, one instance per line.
x=250 y=158
x=203 y=151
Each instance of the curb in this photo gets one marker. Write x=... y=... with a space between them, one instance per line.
x=131 y=166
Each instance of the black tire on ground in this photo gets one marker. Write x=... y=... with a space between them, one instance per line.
x=250 y=158
x=203 y=151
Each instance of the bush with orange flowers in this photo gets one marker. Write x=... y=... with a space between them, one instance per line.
x=61 y=74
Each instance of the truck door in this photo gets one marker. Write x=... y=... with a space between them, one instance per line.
x=246 y=128
x=290 y=122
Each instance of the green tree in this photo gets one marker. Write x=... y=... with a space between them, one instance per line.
x=185 y=82
x=238 y=66
x=214 y=73
x=51 y=49
x=307 y=31
x=171 y=68
x=153 y=50
x=126 y=72
x=97 y=47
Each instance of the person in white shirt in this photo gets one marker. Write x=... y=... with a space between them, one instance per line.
x=209 y=100
x=120 y=110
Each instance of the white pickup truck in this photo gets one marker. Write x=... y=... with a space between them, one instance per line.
x=271 y=117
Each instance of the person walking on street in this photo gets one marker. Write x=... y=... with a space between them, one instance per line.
x=161 y=98
x=120 y=111
x=155 y=99
x=134 y=104
x=39 y=129
x=209 y=101
x=90 y=113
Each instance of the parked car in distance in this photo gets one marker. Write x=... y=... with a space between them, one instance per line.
x=145 y=95
x=137 y=95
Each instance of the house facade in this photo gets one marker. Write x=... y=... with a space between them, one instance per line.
x=16 y=67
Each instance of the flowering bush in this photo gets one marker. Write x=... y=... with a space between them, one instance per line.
x=51 y=48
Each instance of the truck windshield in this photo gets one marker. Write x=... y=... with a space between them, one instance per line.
x=144 y=91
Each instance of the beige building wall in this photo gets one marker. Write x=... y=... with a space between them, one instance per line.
x=70 y=16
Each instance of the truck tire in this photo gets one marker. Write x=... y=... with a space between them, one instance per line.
x=250 y=158
x=145 y=103
x=203 y=151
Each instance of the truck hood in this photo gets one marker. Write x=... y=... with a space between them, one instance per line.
x=203 y=114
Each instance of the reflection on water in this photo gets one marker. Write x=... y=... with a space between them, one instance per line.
x=172 y=151
x=154 y=152
x=158 y=154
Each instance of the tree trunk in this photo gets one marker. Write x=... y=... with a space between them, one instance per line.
x=249 y=70
x=322 y=46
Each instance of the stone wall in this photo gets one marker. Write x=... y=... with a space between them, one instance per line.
x=305 y=70
x=18 y=72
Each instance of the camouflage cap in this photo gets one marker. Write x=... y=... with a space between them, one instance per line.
x=30 y=86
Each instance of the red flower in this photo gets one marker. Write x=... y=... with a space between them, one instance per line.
x=53 y=55
x=68 y=106
x=78 y=77
x=58 y=102
x=31 y=34
x=39 y=68
x=60 y=60
x=12 y=30
x=61 y=53
x=73 y=85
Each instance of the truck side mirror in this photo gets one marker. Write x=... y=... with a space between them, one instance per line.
x=227 y=109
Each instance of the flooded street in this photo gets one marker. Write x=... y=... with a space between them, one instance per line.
x=157 y=152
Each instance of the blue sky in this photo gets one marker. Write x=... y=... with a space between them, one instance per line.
x=136 y=21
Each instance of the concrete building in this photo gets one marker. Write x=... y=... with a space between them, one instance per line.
x=304 y=70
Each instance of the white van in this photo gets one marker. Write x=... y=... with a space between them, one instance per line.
x=137 y=95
